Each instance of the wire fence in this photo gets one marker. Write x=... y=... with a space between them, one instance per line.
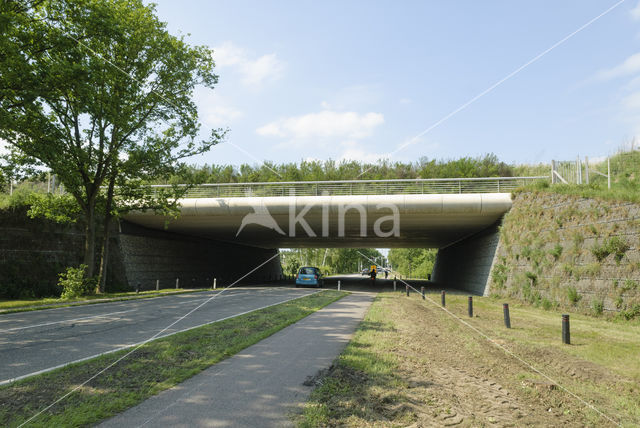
x=356 y=187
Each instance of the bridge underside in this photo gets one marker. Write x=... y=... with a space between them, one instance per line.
x=393 y=221
x=239 y=233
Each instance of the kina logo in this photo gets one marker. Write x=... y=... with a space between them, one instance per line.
x=262 y=217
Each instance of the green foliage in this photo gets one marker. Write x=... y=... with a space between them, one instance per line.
x=625 y=182
x=482 y=166
x=631 y=313
x=532 y=276
x=597 y=305
x=614 y=245
x=59 y=208
x=556 y=252
x=578 y=240
x=629 y=284
x=74 y=284
x=619 y=302
x=530 y=294
x=328 y=260
x=547 y=304
x=499 y=275
x=573 y=296
x=413 y=262
x=115 y=109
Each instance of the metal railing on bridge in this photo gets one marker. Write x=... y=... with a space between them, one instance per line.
x=358 y=187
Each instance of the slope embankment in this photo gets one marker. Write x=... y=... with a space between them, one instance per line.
x=565 y=251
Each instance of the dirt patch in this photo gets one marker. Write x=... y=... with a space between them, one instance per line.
x=427 y=369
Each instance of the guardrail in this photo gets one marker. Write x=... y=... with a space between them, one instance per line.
x=358 y=187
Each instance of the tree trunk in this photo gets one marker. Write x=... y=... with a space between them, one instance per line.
x=104 y=255
x=90 y=239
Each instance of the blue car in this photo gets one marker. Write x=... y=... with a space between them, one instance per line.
x=309 y=276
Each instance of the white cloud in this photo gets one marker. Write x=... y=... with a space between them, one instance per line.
x=215 y=110
x=221 y=115
x=355 y=151
x=630 y=65
x=635 y=12
x=253 y=71
x=325 y=124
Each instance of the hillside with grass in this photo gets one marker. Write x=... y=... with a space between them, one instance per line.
x=564 y=250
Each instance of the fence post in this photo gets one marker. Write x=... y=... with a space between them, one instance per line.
x=338 y=285
x=578 y=171
x=442 y=298
x=407 y=290
x=505 y=311
x=470 y=309
x=177 y=283
x=586 y=168
x=566 y=339
x=157 y=285
x=422 y=292
x=394 y=284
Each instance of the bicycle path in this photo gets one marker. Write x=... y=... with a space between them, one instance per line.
x=263 y=384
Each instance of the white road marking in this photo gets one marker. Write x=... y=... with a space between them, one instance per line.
x=65 y=321
x=8 y=381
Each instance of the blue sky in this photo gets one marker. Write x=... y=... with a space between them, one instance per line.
x=358 y=79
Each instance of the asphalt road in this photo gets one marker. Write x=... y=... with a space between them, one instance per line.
x=36 y=341
x=261 y=386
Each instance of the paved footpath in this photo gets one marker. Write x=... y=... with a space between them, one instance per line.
x=262 y=385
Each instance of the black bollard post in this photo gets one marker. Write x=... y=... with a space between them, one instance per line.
x=505 y=310
x=407 y=290
x=422 y=292
x=442 y=299
x=470 y=306
x=565 y=330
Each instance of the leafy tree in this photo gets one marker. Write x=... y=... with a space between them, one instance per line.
x=100 y=93
x=331 y=260
x=413 y=262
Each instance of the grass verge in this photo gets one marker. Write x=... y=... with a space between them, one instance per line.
x=154 y=367
x=11 y=306
x=412 y=363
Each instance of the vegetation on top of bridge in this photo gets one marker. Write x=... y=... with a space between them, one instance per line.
x=625 y=182
x=330 y=170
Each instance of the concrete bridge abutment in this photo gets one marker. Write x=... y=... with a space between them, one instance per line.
x=466 y=264
x=148 y=255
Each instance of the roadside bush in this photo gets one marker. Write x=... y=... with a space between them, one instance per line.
x=573 y=296
x=74 y=284
x=598 y=306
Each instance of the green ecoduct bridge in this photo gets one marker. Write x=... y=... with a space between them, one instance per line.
x=229 y=227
